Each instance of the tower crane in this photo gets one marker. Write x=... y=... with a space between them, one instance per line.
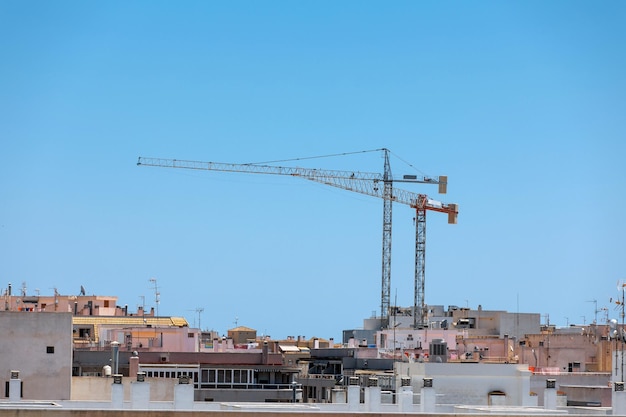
x=422 y=204
x=367 y=183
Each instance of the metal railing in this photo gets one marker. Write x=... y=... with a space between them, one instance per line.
x=236 y=385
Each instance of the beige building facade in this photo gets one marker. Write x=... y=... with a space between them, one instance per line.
x=39 y=346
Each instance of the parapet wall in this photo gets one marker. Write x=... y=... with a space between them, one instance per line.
x=170 y=413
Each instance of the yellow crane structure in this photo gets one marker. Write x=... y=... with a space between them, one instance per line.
x=367 y=183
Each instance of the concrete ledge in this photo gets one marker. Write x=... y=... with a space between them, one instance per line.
x=507 y=411
x=268 y=407
x=28 y=404
x=50 y=409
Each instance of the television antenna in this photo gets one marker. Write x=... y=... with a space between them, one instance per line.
x=198 y=311
x=157 y=295
x=595 y=310
x=620 y=305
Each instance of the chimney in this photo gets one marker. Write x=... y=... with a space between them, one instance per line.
x=133 y=364
x=265 y=353
x=506 y=348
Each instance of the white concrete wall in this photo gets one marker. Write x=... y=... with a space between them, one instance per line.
x=87 y=388
x=24 y=341
x=471 y=383
x=519 y=324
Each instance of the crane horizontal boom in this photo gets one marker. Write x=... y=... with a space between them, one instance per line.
x=368 y=183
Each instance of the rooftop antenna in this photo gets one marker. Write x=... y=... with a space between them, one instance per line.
x=606 y=314
x=395 y=324
x=620 y=286
x=157 y=294
x=595 y=310
x=143 y=307
x=82 y=290
x=236 y=320
x=199 y=310
x=56 y=298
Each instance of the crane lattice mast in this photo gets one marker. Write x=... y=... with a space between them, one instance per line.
x=385 y=287
x=367 y=183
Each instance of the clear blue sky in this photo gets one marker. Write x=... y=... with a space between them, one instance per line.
x=521 y=103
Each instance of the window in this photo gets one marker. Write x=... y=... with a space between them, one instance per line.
x=243 y=376
x=49 y=349
x=190 y=335
x=573 y=367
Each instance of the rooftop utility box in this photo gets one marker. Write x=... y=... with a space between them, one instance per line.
x=438 y=351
